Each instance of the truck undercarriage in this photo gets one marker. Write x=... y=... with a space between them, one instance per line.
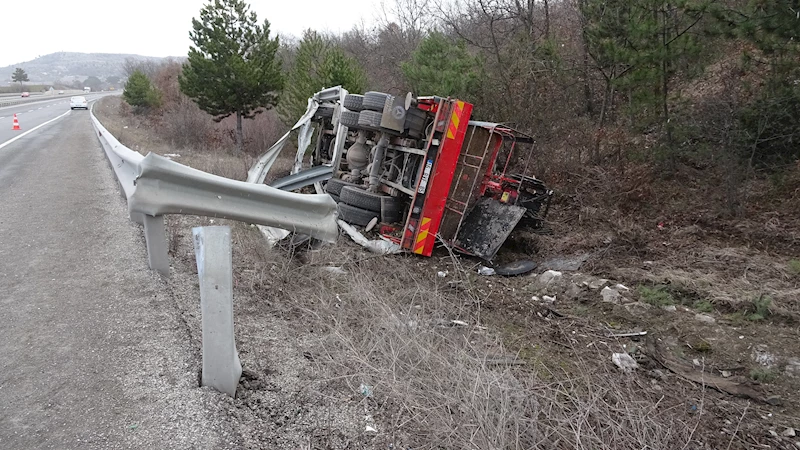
x=418 y=169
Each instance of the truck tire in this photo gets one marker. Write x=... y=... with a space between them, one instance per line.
x=389 y=208
x=335 y=186
x=370 y=120
x=349 y=119
x=353 y=102
x=374 y=101
x=334 y=197
x=355 y=215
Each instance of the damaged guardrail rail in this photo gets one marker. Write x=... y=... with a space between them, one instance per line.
x=154 y=186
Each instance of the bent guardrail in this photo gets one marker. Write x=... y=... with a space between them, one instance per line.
x=154 y=186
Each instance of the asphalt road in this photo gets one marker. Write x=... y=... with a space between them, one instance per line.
x=33 y=113
x=93 y=352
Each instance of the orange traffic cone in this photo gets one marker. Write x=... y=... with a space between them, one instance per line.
x=16 y=124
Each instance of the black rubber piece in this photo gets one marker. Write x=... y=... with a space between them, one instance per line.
x=334 y=197
x=355 y=215
x=335 y=186
x=324 y=112
x=415 y=122
x=515 y=268
x=374 y=101
x=349 y=119
x=370 y=120
x=353 y=102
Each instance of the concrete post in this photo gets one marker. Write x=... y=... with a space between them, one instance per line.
x=221 y=365
x=156 y=238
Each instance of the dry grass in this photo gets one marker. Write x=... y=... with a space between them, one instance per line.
x=437 y=384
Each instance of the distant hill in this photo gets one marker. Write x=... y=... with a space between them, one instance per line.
x=69 y=66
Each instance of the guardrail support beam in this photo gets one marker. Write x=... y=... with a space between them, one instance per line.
x=156 y=238
x=221 y=365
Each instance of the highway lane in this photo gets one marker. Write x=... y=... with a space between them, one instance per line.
x=31 y=115
x=15 y=101
x=93 y=351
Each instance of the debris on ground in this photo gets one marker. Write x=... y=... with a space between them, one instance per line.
x=705 y=318
x=763 y=357
x=486 y=271
x=515 y=268
x=550 y=276
x=379 y=246
x=625 y=362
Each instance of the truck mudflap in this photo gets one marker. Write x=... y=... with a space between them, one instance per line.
x=487 y=227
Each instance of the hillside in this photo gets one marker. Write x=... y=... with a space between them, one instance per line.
x=70 y=66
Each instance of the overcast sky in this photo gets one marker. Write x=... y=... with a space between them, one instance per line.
x=153 y=27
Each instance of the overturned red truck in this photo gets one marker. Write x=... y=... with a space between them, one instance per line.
x=420 y=169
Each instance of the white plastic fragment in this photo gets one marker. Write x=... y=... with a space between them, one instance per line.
x=550 y=276
x=610 y=295
x=380 y=246
x=483 y=270
x=625 y=362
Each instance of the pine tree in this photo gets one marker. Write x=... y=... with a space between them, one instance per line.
x=770 y=121
x=318 y=64
x=139 y=92
x=440 y=67
x=640 y=45
x=232 y=67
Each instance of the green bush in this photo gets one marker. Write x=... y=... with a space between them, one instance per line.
x=794 y=266
x=656 y=296
x=140 y=93
x=760 y=309
x=762 y=375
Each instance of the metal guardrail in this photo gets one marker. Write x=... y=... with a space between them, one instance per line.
x=154 y=186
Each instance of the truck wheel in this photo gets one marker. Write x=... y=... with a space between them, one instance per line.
x=388 y=207
x=335 y=186
x=374 y=101
x=354 y=102
x=334 y=197
x=370 y=120
x=349 y=119
x=355 y=215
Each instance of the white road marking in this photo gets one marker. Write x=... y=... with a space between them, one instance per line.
x=30 y=111
x=32 y=130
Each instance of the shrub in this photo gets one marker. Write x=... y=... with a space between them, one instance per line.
x=140 y=93
x=656 y=296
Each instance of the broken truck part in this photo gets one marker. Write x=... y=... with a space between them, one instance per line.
x=420 y=167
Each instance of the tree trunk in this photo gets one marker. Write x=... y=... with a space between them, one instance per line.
x=546 y=20
x=239 y=134
x=665 y=80
x=608 y=97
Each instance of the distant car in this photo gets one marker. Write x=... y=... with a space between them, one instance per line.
x=60 y=92
x=78 y=102
x=26 y=94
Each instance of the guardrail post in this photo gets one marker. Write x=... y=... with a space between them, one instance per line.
x=156 y=238
x=221 y=365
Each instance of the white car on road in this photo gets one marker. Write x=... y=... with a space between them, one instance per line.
x=78 y=102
